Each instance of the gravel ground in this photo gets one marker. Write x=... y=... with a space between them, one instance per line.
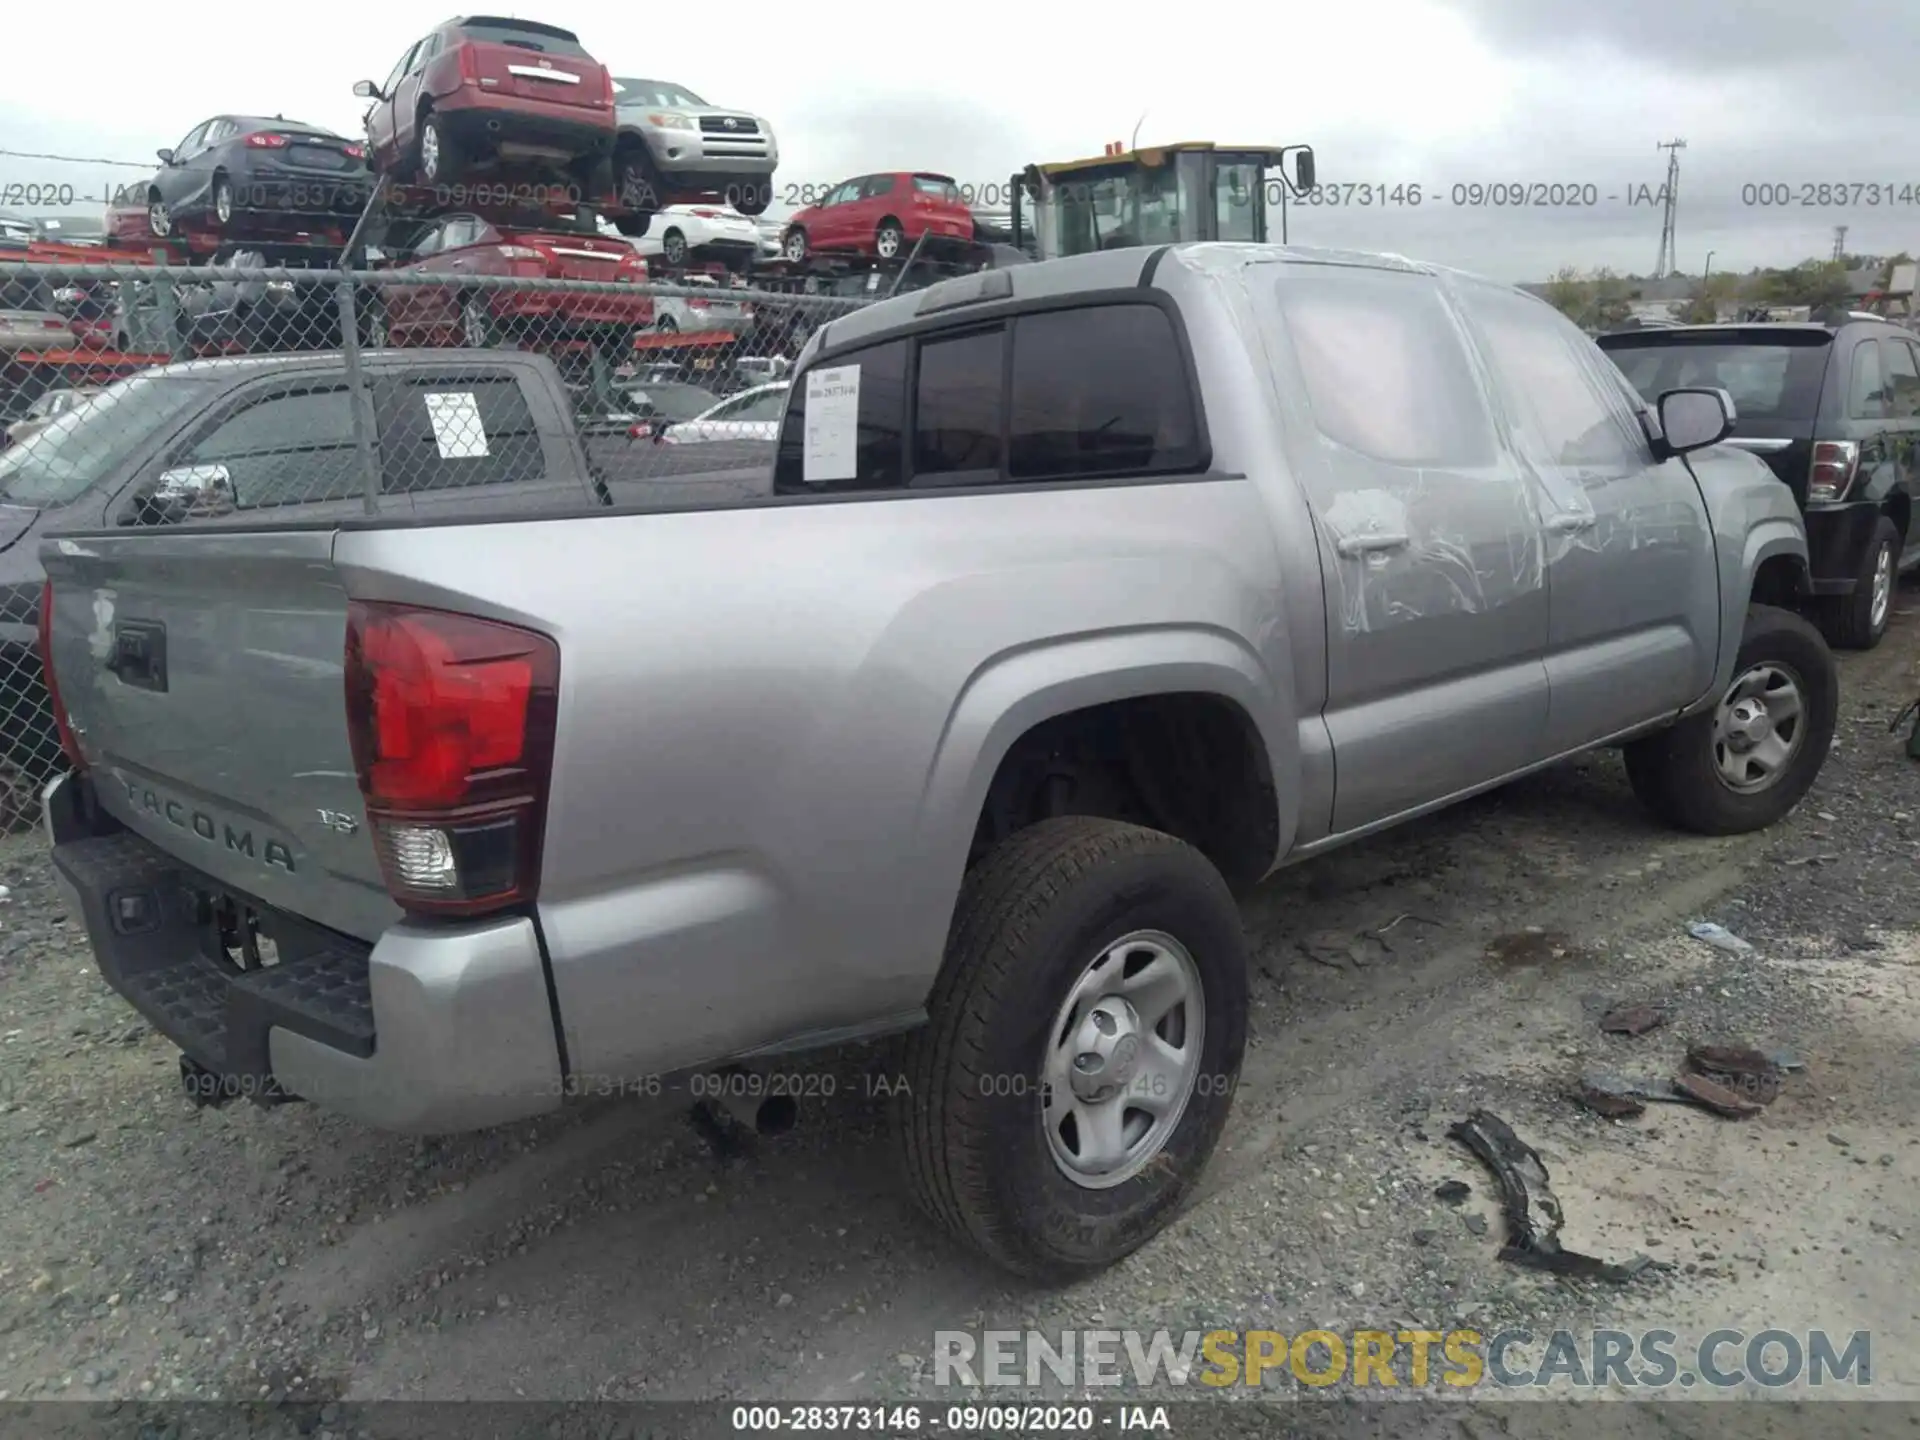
x=149 y=1250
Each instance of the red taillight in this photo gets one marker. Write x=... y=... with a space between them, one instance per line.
x=1834 y=465
x=708 y=214
x=452 y=722
x=606 y=88
x=267 y=142
x=69 y=742
x=355 y=152
x=469 y=66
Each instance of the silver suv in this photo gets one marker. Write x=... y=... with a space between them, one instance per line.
x=674 y=146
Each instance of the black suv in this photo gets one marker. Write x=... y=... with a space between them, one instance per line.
x=1835 y=410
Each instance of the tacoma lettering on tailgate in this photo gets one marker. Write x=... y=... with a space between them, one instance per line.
x=178 y=813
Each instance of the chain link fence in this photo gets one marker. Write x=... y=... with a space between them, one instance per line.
x=526 y=371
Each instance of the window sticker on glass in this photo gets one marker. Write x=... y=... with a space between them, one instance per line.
x=833 y=425
x=456 y=425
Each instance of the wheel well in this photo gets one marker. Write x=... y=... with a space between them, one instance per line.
x=1900 y=511
x=1781 y=580
x=893 y=220
x=1192 y=765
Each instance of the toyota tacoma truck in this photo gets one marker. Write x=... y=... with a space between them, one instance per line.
x=1077 y=598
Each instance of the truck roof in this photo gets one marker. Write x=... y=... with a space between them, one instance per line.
x=1104 y=270
x=1151 y=156
x=225 y=366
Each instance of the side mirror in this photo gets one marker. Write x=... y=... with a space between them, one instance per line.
x=195 y=490
x=367 y=90
x=166 y=156
x=1693 y=419
x=1302 y=178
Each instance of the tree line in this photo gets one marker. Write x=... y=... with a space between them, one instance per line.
x=1601 y=299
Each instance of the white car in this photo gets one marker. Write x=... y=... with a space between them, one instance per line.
x=690 y=313
x=751 y=415
x=681 y=231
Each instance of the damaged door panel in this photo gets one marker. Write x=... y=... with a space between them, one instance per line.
x=1634 y=609
x=1437 y=614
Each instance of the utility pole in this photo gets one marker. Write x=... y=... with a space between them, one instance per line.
x=1839 y=243
x=1669 y=251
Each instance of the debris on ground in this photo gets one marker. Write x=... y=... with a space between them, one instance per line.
x=1330 y=948
x=1610 y=1096
x=1632 y=1019
x=1719 y=937
x=1452 y=1192
x=1738 y=1068
x=1379 y=933
x=1532 y=1211
x=1716 y=1097
x=1530 y=947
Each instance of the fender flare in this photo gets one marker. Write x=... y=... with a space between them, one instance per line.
x=1768 y=540
x=1016 y=690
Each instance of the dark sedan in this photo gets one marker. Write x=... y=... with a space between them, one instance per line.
x=237 y=176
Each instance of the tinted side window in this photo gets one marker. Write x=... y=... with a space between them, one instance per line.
x=878 y=441
x=1866 y=395
x=1567 y=406
x=440 y=432
x=957 y=418
x=287 y=449
x=1097 y=391
x=1903 y=380
x=1385 y=370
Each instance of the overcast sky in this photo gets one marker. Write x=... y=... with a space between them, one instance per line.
x=1394 y=92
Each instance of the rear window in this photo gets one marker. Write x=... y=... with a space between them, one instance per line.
x=938 y=186
x=1070 y=394
x=1769 y=380
x=525 y=36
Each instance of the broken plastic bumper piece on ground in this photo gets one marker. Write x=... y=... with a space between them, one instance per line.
x=1532 y=1211
x=1736 y=1081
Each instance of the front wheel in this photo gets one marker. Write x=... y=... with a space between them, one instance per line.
x=1083 y=1043
x=793 y=245
x=1749 y=760
x=1859 y=621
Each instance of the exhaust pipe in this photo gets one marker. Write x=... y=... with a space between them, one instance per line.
x=764 y=1115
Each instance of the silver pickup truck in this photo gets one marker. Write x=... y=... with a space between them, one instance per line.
x=1079 y=597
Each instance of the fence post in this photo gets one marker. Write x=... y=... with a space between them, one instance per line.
x=166 y=306
x=361 y=401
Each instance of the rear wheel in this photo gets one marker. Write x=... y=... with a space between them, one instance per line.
x=889 y=240
x=1745 y=763
x=1859 y=621
x=666 y=325
x=1084 y=1040
x=673 y=247
x=636 y=186
x=441 y=161
x=222 y=201
x=793 y=245
x=751 y=197
x=477 y=328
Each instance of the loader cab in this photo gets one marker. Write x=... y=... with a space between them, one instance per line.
x=1161 y=196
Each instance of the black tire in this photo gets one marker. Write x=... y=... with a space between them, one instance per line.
x=750 y=197
x=1675 y=773
x=890 y=239
x=673 y=247
x=451 y=165
x=1848 y=621
x=666 y=325
x=793 y=244
x=1033 y=915
x=637 y=189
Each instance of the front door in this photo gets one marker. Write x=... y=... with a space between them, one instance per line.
x=1902 y=364
x=1634 y=632
x=1431 y=552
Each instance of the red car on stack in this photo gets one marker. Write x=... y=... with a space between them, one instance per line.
x=461 y=247
x=883 y=215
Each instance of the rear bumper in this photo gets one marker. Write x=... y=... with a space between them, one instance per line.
x=483 y=123
x=1837 y=540
x=428 y=1031
x=302 y=193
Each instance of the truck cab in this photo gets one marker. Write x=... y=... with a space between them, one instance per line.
x=1166 y=195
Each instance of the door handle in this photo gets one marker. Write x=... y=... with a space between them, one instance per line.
x=1374 y=543
x=1570 y=524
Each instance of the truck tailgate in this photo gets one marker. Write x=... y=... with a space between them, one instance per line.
x=204 y=672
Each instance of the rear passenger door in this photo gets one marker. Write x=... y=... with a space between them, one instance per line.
x=1431 y=550
x=461 y=438
x=1901 y=359
x=1634 y=615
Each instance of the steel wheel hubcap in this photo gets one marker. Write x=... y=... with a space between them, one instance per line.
x=888 y=242
x=1882 y=586
x=430 y=151
x=796 y=247
x=1759 y=728
x=1122 y=1059
x=158 y=218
